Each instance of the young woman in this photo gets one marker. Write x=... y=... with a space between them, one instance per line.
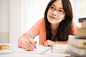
x=54 y=28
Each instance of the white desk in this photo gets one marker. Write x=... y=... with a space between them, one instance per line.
x=17 y=54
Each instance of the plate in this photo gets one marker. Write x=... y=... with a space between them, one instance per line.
x=7 y=51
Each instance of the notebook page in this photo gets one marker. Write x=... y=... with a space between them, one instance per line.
x=40 y=49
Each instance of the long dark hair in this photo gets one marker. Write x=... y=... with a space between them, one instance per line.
x=65 y=26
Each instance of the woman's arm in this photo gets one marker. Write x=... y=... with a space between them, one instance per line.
x=34 y=30
x=61 y=42
x=74 y=28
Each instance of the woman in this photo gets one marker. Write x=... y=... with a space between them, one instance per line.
x=54 y=28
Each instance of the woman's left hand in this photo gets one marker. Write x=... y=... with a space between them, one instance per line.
x=49 y=43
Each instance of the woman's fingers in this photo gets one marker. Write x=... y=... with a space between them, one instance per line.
x=29 y=45
x=35 y=42
x=31 y=41
x=49 y=43
x=45 y=43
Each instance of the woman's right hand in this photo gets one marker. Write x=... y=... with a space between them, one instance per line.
x=29 y=45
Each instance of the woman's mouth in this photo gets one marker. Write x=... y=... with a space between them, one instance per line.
x=52 y=17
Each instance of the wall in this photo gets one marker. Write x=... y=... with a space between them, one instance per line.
x=12 y=20
x=75 y=7
x=17 y=20
x=4 y=16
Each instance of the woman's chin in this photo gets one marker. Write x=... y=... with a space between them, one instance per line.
x=53 y=22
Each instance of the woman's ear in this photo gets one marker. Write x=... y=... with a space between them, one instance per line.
x=64 y=18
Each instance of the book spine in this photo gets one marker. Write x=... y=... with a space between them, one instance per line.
x=83 y=25
x=82 y=43
x=81 y=19
x=81 y=32
x=76 y=50
x=77 y=42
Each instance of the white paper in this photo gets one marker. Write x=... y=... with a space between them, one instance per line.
x=40 y=49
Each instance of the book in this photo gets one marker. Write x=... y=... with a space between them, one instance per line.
x=81 y=32
x=77 y=50
x=81 y=19
x=77 y=41
x=58 y=48
x=83 y=25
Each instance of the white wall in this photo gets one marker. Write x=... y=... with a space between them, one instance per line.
x=4 y=9
x=17 y=20
x=12 y=20
x=75 y=12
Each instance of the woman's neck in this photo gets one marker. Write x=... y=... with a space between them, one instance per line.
x=54 y=27
x=54 y=30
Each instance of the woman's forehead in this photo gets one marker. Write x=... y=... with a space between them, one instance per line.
x=57 y=4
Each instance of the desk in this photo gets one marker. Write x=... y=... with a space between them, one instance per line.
x=17 y=54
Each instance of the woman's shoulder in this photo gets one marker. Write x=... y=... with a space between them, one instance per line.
x=41 y=20
x=74 y=26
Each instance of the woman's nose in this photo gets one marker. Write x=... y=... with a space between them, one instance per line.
x=54 y=13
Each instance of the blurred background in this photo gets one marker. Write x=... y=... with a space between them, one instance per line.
x=17 y=16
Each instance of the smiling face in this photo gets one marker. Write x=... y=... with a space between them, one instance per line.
x=56 y=12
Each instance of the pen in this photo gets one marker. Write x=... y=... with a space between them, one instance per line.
x=32 y=38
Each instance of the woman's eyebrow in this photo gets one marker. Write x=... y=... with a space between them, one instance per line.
x=55 y=6
x=61 y=8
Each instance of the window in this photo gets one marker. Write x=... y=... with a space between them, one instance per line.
x=79 y=10
x=34 y=11
x=82 y=8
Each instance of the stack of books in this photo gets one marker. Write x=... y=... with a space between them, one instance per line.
x=78 y=41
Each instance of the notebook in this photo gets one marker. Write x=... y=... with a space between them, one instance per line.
x=40 y=49
x=58 y=48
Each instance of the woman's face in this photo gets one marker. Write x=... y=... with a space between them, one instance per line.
x=55 y=12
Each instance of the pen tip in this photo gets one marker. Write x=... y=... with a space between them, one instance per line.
x=35 y=47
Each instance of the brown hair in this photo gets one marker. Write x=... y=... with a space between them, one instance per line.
x=65 y=27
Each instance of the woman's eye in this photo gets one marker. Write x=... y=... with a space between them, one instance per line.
x=60 y=11
x=52 y=7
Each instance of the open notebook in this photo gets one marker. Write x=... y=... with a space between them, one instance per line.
x=59 y=48
x=40 y=49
